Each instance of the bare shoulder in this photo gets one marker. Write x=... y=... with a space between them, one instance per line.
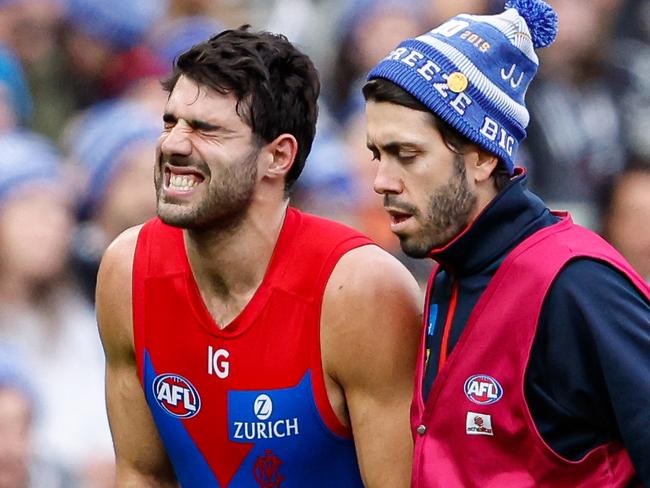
x=371 y=313
x=369 y=277
x=113 y=295
x=118 y=257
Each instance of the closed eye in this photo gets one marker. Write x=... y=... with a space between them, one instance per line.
x=205 y=127
x=407 y=157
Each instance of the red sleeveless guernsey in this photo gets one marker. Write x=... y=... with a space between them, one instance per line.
x=245 y=406
x=475 y=429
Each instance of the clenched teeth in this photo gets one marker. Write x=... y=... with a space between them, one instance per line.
x=182 y=182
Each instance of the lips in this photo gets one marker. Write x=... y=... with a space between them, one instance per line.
x=397 y=217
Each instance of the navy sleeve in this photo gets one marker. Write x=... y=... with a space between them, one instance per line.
x=588 y=379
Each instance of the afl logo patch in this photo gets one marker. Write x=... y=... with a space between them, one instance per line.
x=176 y=395
x=483 y=389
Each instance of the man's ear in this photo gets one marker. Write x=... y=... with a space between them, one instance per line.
x=282 y=153
x=480 y=164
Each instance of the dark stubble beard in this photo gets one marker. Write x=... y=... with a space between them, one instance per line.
x=447 y=215
x=223 y=204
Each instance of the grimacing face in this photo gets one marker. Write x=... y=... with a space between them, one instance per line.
x=206 y=168
x=424 y=183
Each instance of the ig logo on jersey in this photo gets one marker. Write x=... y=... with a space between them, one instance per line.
x=176 y=395
x=483 y=389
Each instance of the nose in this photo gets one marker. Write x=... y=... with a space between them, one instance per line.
x=176 y=141
x=387 y=179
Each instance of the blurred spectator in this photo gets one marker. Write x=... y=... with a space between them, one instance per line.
x=230 y=12
x=625 y=217
x=327 y=184
x=443 y=10
x=189 y=8
x=33 y=33
x=176 y=35
x=32 y=28
x=103 y=46
x=20 y=466
x=113 y=146
x=15 y=100
x=359 y=47
x=576 y=138
x=136 y=74
x=631 y=59
x=42 y=315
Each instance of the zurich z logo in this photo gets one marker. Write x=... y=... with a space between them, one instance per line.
x=263 y=407
x=483 y=389
x=176 y=395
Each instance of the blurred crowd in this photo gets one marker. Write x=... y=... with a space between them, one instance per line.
x=80 y=112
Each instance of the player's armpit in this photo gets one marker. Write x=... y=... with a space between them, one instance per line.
x=140 y=457
x=371 y=320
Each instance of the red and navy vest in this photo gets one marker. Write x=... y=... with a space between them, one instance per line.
x=245 y=406
x=475 y=429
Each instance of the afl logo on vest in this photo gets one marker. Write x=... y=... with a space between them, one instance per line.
x=483 y=389
x=176 y=396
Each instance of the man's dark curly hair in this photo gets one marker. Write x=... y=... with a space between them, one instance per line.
x=276 y=85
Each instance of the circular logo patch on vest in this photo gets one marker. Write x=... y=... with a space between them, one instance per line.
x=483 y=389
x=176 y=395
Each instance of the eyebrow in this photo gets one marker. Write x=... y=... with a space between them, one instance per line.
x=196 y=123
x=203 y=125
x=392 y=147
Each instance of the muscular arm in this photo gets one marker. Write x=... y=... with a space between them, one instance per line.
x=370 y=332
x=141 y=459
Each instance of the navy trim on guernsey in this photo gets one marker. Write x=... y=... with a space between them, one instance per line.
x=577 y=384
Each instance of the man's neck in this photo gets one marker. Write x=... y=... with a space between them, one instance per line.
x=229 y=265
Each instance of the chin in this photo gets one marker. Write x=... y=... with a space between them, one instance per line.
x=174 y=215
x=414 y=248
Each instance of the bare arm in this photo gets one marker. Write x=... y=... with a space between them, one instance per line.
x=370 y=330
x=140 y=456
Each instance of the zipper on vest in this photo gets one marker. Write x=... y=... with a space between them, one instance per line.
x=451 y=312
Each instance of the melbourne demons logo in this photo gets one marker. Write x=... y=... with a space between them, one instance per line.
x=176 y=395
x=266 y=470
x=483 y=389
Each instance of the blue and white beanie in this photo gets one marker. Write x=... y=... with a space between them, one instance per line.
x=99 y=140
x=473 y=72
x=26 y=160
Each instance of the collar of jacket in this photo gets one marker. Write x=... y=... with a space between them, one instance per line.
x=503 y=223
